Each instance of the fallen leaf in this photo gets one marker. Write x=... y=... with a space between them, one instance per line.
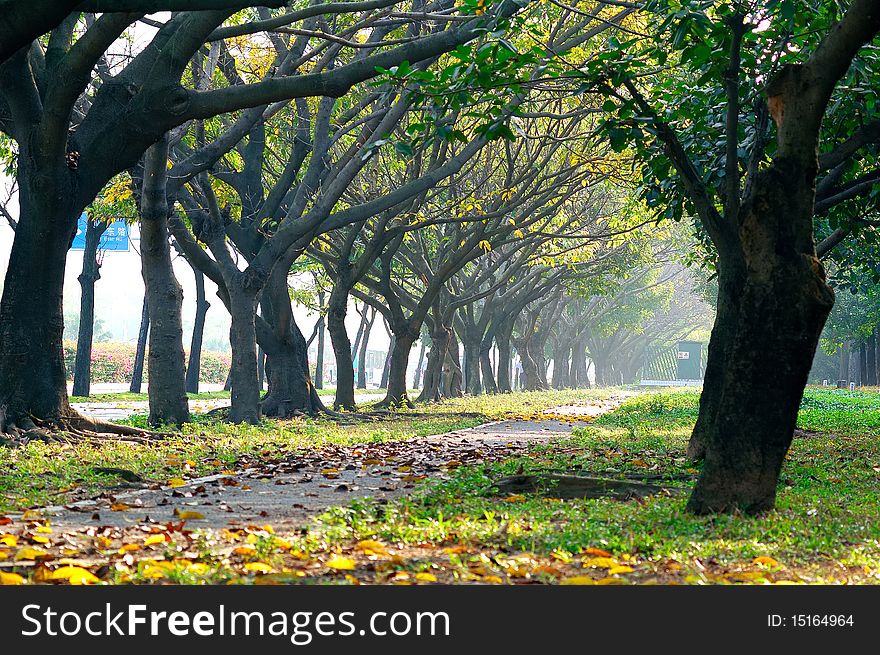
x=599 y=563
x=26 y=552
x=244 y=550
x=154 y=539
x=120 y=507
x=369 y=546
x=578 y=580
x=258 y=567
x=515 y=498
x=9 y=540
x=597 y=552
x=765 y=561
x=614 y=570
x=30 y=515
x=189 y=515
x=75 y=575
x=426 y=577
x=10 y=578
x=176 y=482
x=341 y=563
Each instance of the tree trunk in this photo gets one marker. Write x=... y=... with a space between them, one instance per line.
x=472 y=382
x=863 y=365
x=244 y=378
x=386 y=367
x=194 y=366
x=337 y=308
x=291 y=389
x=362 y=355
x=843 y=373
x=32 y=373
x=91 y=273
x=502 y=340
x=453 y=377
x=431 y=387
x=137 y=373
x=396 y=394
x=489 y=385
x=167 y=388
x=417 y=376
x=561 y=367
x=772 y=304
x=871 y=361
x=319 y=359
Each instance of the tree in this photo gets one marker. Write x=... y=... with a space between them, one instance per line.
x=73 y=133
x=756 y=199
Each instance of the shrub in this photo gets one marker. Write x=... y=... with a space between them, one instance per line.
x=114 y=362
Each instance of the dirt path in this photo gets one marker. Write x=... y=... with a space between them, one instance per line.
x=288 y=492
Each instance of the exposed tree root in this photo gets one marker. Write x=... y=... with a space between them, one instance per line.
x=555 y=485
x=72 y=428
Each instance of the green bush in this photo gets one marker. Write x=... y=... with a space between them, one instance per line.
x=114 y=362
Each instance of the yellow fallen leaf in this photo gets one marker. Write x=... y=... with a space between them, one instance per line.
x=10 y=578
x=453 y=464
x=515 y=498
x=597 y=552
x=120 y=507
x=45 y=529
x=129 y=548
x=404 y=469
x=188 y=515
x=330 y=471
x=578 y=580
x=492 y=579
x=372 y=461
x=30 y=515
x=341 y=563
x=426 y=577
x=610 y=580
x=39 y=539
x=3 y=554
x=614 y=570
x=370 y=546
x=26 y=552
x=176 y=482
x=765 y=561
x=244 y=550
x=154 y=539
x=599 y=563
x=75 y=575
x=9 y=540
x=258 y=567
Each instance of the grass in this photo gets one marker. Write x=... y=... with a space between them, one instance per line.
x=824 y=529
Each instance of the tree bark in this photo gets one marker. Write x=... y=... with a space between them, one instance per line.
x=137 y=373
x=32 y=373
x=193 y=368
x=167 y=387
x=396 y=394
x=362 y=355
x=417 y=376
x=319 y=359
x=91 y=273
x=871 y=361
x=863 y=365
x=386 y=367
x=772 y=292
x=337 y=309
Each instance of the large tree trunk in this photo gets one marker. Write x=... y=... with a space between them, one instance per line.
x=32 y=374
x=431 y=387
x=243 y=374
x=843 y=372
x=337 y=308
x=291 y=389
x=91 y=273
x=502 y=340
x=472 y=383
x=396 y=394
x=772 y=304
x=386 y=366
x=137 y=373
x=193 y=368
x=167 y=386
x=489 y=385
x=417 y=376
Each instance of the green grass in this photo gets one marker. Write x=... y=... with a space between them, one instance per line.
x=825 y=527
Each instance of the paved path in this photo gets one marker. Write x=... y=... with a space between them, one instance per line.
x=286 y=493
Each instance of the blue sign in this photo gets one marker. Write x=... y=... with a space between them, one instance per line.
x=115 y=237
